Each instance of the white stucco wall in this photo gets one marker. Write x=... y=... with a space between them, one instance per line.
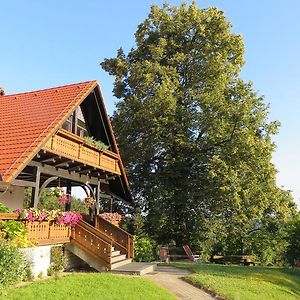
x=13 y=198
x=39 y=258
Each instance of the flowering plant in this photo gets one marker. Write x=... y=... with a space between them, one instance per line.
x=89 y=202
x=64 y=199
x=111 y=217
x=60 y=217
x=58 y=192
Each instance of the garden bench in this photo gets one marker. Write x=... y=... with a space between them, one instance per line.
x=246 y=260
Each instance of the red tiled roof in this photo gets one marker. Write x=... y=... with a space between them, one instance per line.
x=28 y=119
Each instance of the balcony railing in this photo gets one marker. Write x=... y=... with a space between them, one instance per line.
x=42 y=233
x=70 y=146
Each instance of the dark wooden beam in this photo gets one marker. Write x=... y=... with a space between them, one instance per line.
x=66 y=174
x=63 y=164
x=23 y=183
x=37 y=186
x=76 y=168
x=49 y=160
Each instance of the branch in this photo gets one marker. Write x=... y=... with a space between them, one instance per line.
x=222 y=142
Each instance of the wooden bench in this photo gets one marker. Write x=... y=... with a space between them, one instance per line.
x=246 y=260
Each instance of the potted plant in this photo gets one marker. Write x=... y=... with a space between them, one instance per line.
x=114 y=218
x=89 y=202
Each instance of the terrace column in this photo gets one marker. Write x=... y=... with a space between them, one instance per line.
x=97 y=193
x=69 y=191
x=36 y=188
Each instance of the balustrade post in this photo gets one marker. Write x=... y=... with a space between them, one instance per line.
x=128 y=247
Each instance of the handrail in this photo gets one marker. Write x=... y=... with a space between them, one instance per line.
x=93 y=242
x=121 y=239
x=9 y=216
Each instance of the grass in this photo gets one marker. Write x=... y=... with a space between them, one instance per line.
x=246 y=283
x=90 y=286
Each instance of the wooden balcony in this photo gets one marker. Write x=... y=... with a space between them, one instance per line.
x=42 y=233
x=70 y=146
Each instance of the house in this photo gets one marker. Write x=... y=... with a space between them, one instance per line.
x=42 y=144
x=47 y=139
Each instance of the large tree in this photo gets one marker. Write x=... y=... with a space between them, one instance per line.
x=194 y=136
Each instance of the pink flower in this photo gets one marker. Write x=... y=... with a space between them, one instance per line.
x=63 y=200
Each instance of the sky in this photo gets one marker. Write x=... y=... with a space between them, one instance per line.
x=50 y=43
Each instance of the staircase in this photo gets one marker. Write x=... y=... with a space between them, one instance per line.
x=104 y=247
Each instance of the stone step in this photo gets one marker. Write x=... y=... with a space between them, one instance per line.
x=117 y=258
x=120 y=263
x=135 y=268
x=115 y=253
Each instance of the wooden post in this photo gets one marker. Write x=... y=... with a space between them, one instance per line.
x=37 y=187
x=97 y=193
x=69 y=191
x=32 y=197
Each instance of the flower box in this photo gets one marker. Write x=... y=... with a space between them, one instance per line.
x=114 y=218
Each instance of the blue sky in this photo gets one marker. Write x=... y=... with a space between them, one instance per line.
x=51 y=43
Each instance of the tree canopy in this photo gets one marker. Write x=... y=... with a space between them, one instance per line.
x=195 y=137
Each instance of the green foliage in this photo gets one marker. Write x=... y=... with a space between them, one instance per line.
x=203 y=174
x=13 y=229
x=3 y=208
x=143 y=249
x=49 y=201
x=13 y=265
x=57 y=261
x=91 y=141
x=247 y=283
x=79 y=286
x=16 y=232
x=293 y=249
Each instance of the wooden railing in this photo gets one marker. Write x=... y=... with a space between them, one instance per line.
x=121 y=239
x=48 y=233
x=71 y=146
x=9 y=216
x=42 y=233
x=92 y=241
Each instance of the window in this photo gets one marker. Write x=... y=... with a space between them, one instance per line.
x=76 y=124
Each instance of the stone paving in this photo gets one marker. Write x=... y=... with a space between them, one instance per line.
x=171 y=279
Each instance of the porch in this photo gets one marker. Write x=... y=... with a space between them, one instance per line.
x=103 y=246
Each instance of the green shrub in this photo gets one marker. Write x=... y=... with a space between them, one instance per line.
x=57 y=261
x=16 y=232
x=143 y=249
x=12 y=229
x=13 y=265
x=3 y=208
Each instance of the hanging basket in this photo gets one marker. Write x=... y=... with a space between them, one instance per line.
x=89 y=202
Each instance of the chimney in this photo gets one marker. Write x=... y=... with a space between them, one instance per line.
x=2 y=91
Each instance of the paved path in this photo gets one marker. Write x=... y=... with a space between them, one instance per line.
x=170 y=278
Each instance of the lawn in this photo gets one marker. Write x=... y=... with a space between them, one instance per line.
x=91 y=286
x=246 y=283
